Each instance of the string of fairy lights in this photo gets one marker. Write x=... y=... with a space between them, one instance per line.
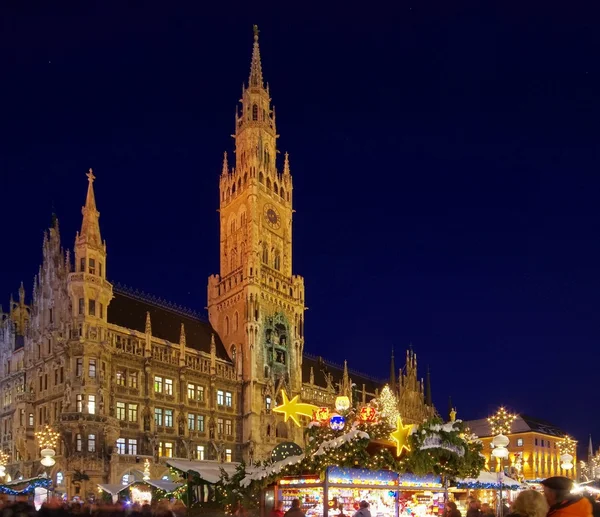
x=47 y=437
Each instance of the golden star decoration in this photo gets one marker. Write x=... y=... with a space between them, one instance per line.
x=294 y=409
x=400 y=436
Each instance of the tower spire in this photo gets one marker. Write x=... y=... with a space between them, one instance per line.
x=225 y=164
x=392 y=373
x=256 y=77
x=286 y=164
x=90 y=226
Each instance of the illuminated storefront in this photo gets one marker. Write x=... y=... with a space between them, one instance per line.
x=420 y=495
x=340 y=491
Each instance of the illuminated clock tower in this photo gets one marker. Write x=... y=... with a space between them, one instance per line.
x=256 y=304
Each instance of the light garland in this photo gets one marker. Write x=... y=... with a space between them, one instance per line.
x=567 y=445
x=31 y=485
x=501 y=422
x=389 y=406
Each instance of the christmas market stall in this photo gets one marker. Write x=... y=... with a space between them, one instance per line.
x=340 y=491
x=420 y=495
x=25 y=488
x=486 y=486
x=142 y=492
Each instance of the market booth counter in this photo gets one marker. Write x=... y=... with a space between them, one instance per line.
x=420 y=495
x=342 y=489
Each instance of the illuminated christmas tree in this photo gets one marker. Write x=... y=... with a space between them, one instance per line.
x=388 y=406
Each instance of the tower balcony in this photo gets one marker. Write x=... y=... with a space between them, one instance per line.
x=91 y=279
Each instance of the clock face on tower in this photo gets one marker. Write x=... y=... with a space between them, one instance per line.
x=272 y=216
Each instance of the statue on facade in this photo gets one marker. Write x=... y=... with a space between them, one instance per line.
x=251 y=453
x=67 y=395
x=181 y=422
x=147 y=417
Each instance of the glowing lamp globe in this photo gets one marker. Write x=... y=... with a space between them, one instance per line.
x=342 y=403
x=500 y=452
x=566 y=461
x=337 y=422
x=501 y=441
x=48 y=457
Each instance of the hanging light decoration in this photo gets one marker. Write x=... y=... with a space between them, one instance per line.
x=146 y=476
x=342 y=403
x=566 y=447
x=48 y=441
x=3 y=462
x=501 y=422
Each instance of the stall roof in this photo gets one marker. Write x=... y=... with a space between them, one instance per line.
x=208 y=470
x=490 y=478
x=167 y=486
x=115 y=488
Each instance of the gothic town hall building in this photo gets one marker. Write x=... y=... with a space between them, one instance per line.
x=125 y=377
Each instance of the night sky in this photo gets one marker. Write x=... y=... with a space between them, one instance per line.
x=445 y=166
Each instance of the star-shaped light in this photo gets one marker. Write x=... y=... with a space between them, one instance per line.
x=294 y=409
x=400 y=436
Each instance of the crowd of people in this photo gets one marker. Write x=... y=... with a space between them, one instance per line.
x=557 y=500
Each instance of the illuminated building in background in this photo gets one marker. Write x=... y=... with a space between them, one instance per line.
x=534 y=449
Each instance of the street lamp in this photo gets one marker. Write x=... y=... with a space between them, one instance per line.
x=48 y=441
x=501 y=424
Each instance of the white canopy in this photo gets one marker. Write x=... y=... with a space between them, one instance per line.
x=114 y=489
x=208 y=470
x=491 y=478
x=167 y=486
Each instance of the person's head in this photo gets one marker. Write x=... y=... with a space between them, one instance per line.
x=473 y=503
x=485 y=508
x=530 y=503
x=279 y=505
x=296 y=503
x=364 y=504
x=557 y=489
x=451 y=505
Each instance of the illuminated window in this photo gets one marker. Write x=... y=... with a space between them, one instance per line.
x=191 y=390
x=92 y=404
x=191 y=422
x=200 y=393
x=121 y=410
x=228 y=455
x=219 y=426
x=519 y=442
x=79 y=367
x=228 y=427
x=132 y=410
x=133 y=380
x=228 y=399
x=158 y=416
x=168 y=418
x=82 y=264
x=121 y=378
x=59 y=478
x=169 y=386
x=92 y=266
x=132 y=446
x=30 y=419
x=165 y=449
x=91 y=443
x=92 y=368
x=200 y=452
x=121 y=446
x=200 y=423
x=78 y=442
x=268 y=404
x=127 y=478
x=158 y=384
x=79 y=403
x=220 y=397
x=92 y=307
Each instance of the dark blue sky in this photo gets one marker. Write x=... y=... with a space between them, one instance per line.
x=445 y=166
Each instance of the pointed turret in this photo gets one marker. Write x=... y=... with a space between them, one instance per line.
x=392 y=373
x=312 y=376
x=22 y=294
x=182 y=336
x=148 y=328
x=256 y=77
x=225 y=170
x=286 y=164
x=90 y=226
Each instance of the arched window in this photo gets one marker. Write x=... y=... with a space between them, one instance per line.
x=239 y=183
x=268 y=430
x=282 y=193
x=245 y=178
x=236 y=321
x=254 y=112
x=233 y=189
x=261 y=178
x=275 y=188
x=232 y=226
x=242 y=219
x=277 y=260
x=265 y=254
x=226 y=325
x=268 y=183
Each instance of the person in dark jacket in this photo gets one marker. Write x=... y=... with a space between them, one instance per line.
x=473 y=509
x=557 y=491
x=451 y=510
x=295 y=510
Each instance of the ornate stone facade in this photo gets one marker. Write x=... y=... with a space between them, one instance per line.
x=125 y=377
